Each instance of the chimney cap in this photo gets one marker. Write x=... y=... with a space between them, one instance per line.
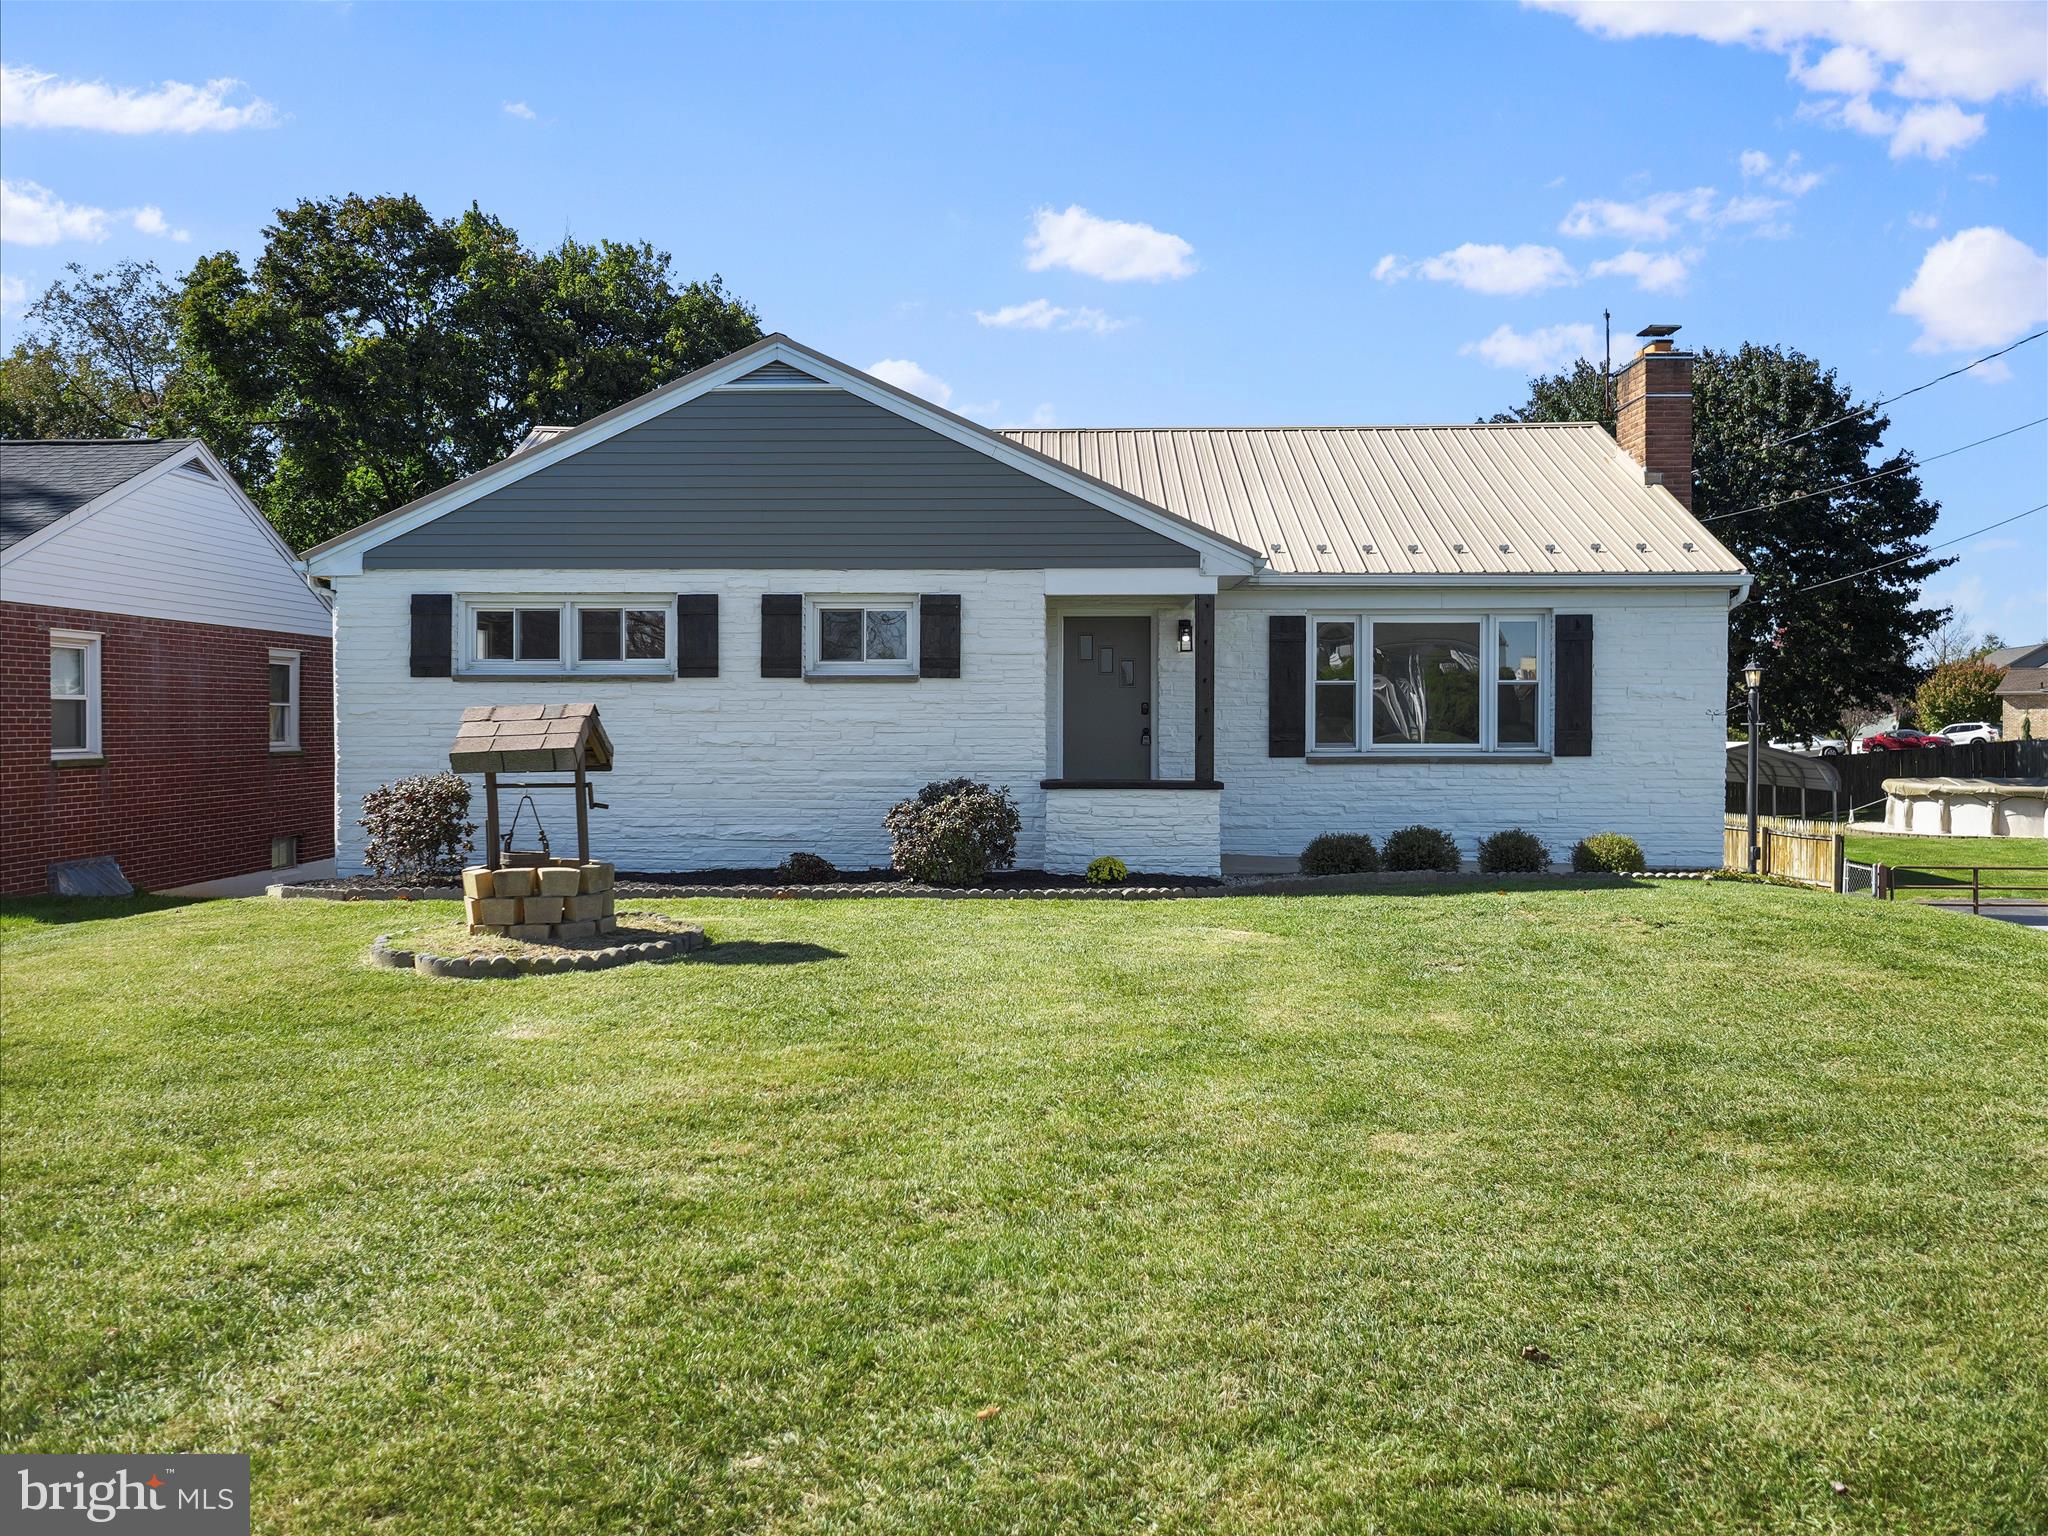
x=1659 y=332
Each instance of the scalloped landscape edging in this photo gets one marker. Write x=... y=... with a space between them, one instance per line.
x=501 y=967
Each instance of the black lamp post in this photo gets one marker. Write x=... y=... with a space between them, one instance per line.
x=1753 y=675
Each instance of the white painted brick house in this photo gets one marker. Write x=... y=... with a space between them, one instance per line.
x=797 y=594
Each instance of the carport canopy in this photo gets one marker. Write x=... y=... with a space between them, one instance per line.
x=1780 y=769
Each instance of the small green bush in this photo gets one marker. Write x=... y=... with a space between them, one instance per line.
x=953 y=831
x=419 y=828
x=1340 y=853
x=806 y=869
x=1421 y=848
x=1608 y=853
x=1107 y=870
x=1513 y=852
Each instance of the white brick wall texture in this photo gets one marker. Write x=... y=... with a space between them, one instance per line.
x=1154 y=831
x=732 y=771
x=1659 y=735
x=741 y=770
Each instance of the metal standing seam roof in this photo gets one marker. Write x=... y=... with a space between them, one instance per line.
x=44 y=479
x=1480 y=500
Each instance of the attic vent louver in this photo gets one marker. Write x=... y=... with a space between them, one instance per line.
x=197 y=467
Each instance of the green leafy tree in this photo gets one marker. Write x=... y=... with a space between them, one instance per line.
x=373 y=352
x=1844 y=646
x=1959 y=690
x=98 y=359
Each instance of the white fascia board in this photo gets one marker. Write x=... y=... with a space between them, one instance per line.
x=1149 y=582
x=1729 y=579
x=344 y=557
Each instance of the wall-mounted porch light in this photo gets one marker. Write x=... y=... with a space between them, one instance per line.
x=1187 y=635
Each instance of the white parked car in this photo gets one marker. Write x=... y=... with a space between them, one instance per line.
x=1812 y=746
x=1969 y=730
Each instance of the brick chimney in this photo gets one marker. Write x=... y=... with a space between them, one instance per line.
x=1653 y=412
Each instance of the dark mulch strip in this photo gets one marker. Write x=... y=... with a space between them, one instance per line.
x=1006 y=880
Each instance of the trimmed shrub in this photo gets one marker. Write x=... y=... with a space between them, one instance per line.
x=1608 y=853
x=806 y=869
x=1513 y=852
x=1107 y=870
x=1421 y=848
x=419 y=828
x=1340 y=853
x=953 y=832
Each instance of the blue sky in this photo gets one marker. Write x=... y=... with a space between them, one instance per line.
x=1151 y=215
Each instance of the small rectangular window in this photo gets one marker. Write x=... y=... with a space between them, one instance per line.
x=1519 y=663
x=1336 y=675
x=600 y=634
x=74 y=694
x=538 y=636
x=284 y=852
x=284 y=701
x=872 y=636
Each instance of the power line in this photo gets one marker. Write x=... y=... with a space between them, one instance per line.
x=1896 y=469
x=1874 y=405
x=1944 y=544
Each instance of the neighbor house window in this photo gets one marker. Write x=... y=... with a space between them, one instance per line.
x=284 y=701
x=1430 y=683
x=74 y=694
x=862 y=635
x=284 y=851
x=568 y=635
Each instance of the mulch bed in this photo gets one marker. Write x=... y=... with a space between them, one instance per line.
x=1015 y=883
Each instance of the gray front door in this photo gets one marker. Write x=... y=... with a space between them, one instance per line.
x=1106 y=725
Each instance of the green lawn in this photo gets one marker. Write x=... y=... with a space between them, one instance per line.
x=1228 y=1215
x=1913 y=852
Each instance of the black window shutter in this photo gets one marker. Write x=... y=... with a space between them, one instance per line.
x=1574 y=717
x=433 y=634
x=1286 y=685
x=782 y=634
x=697 y=634
x=938 y=635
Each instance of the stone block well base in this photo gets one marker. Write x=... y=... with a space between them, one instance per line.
x=560 y=902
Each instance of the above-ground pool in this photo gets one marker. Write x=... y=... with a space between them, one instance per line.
x=1967 y=807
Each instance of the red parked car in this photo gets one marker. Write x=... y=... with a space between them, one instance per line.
x=1901 y=740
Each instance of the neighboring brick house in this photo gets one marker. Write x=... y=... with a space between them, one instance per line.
x=167 y=674
x=2023 y=691
x=798 y=593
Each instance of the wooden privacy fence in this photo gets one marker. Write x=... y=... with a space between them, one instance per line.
x=1807 y=851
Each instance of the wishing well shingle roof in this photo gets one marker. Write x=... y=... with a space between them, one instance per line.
x=529 y=738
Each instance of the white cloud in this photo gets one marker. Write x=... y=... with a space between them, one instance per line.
x=150 y=221
x=1929 y=51
x=1494 y=269
x=1042 y=415
x=13 y=293
x=1936 y=131
x=906 y=375
x=31 y=214
x=1924 y=220
x=520 y=110
x=30 y=98
x=1540 y=351
x=1658 y=216
x=1996 y=371
x=1934 y=48
x=1044 y=315
x=1654 y=272
x=1979 y=288
x=1787 y=177
x=1111 y=249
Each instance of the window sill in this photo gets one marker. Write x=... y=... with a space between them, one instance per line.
x=1130 y=784
x=287 y=752
x=860 y=677
x=78 y=762
x=563 y=677
x=1387 y=759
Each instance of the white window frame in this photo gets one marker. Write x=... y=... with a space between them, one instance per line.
x=1489 y=744
x=290 y=743
x=568 y=609
x=816 y=667
x=88 y=641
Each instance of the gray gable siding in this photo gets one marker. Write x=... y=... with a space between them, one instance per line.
x=767 y=479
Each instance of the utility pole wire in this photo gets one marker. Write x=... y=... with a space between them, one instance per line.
x=1833 y=581
x=1880 y=404
x=1896 y=469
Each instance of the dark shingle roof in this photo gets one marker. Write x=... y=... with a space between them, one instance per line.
x=2021 y=681
x=42 y=480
